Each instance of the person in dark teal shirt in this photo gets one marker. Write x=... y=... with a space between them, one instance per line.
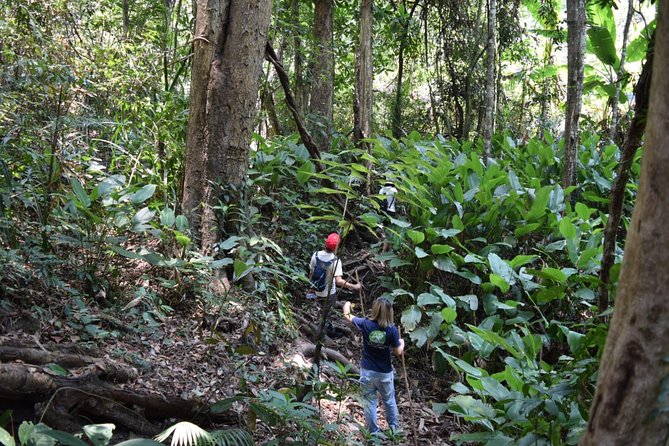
x=380 y=338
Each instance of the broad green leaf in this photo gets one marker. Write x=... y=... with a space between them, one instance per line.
x=411 y=317
x=499 y=267
x=181 y=238
x=417 y=237
x=553 y=274
x=526 y=229
x=499 y=282
x=419 y=336
x=636 y=50
x=583 y=211
x=471 y=300
x=64 y=438
x=539 y=206
x=400 y=223
x=5 y=438
x=567 y=228
x=473 y=278
x=143 y=216
x=601 y=44
x=428 y=299
x=521 y=260
x=229 y=243
x=240 y=268
x=305 y=172
x=80 y=193
x=99 y=434
x=143 y=194
x=449 y=314
x=448 y=233
x=182 y=223
x=58 y=370
x=441 y=249
x=468 y=368
x=167 y=217
x=221 y=263
x=494 y=388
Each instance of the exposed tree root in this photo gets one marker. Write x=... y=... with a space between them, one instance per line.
x=67 y=403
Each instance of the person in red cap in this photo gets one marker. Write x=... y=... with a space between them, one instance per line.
x=325 y=270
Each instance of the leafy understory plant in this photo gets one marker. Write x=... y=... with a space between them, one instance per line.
x=189 y=434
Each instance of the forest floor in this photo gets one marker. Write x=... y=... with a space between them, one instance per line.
x=189 y=354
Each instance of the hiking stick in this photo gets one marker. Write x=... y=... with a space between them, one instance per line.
x=406 y=383
x=360 y=294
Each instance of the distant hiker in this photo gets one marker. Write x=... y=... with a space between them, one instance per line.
x=388 y=205
x=325 y=270
x=380 y=337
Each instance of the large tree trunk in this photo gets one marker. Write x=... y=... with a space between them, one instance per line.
x=630 y=403
x=575 y=72
x=229 y=44
x=491 y=49
x=322 y=91
x=364 y=75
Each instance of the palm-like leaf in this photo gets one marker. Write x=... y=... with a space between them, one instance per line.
x=231 y=437
x=185 y=434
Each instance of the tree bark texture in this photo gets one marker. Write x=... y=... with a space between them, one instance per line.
x=575 y=73
x=301 y=93
x=323 y=74
x=631 y=400
x=632 y=143
x=229 y=44
x=491 y=50
x=364 y=75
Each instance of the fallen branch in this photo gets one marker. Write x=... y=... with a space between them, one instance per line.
x=309 y=350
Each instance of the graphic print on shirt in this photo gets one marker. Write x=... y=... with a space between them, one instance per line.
x=377 y=339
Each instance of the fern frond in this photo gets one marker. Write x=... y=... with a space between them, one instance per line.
x=231 y=437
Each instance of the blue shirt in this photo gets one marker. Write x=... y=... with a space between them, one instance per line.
x=377 y=342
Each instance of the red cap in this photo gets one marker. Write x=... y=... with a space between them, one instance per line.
x=332 y=241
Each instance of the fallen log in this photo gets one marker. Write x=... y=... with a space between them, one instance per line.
x=106 y=368
x=67 y=403
x=309 y=350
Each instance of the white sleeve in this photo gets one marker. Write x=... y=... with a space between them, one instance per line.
x=338 y=268
x=312 y=262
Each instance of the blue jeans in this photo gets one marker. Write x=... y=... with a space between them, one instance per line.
x=370 y=383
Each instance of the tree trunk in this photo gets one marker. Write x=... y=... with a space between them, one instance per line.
x=301 y=94
x=613 y=130
x=126 y=19
x=632 y=143
x=575 y=72
x=323 y=74
x=397 y=105
x=364 y=81
x=631 y=400
x=229 y=44
x=491 y=48
x=364 y=75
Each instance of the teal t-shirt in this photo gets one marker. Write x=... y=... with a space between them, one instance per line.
x=377 y=343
